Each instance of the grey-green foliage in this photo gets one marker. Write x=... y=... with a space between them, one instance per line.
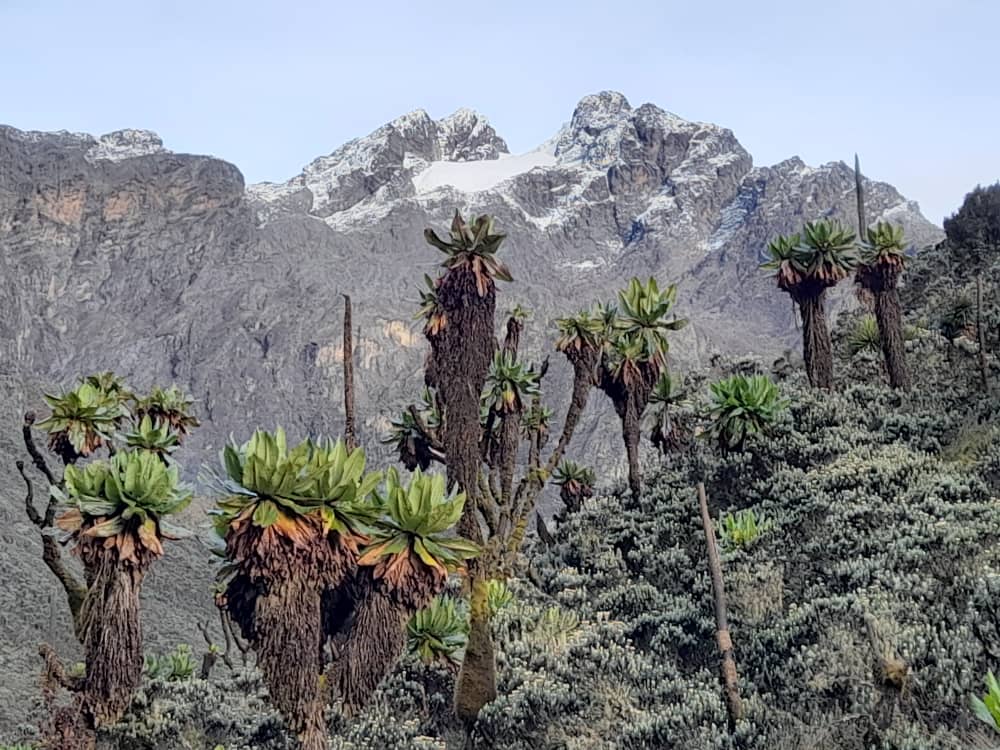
x=871 y=521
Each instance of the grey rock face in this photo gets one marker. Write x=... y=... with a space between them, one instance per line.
x=116 y=254
x=467 y=136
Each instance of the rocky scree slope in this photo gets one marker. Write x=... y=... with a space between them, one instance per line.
x=118 y=254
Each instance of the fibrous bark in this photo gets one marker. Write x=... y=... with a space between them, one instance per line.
x=372 y=644
x=889 y=315
x=288 y=642
x=882 y=281
x=276 y=598
x=585 y=362
x=112 y=635
x=816 y=347
x=461 y=355
x=630 y=399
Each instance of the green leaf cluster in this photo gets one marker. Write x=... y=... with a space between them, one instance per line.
x=987 y=708
x=824 y=252
x=176 y=666
x=404 y=426
x=88 y=416
x=498 y=596
x=430 y=310
x=508 y=385
x=313 y=477
x=171 y=405
x=152 y=436
x=416 y=517
x=536 y=419
x=743 y=406
x=883 y=242
x=828 y=251
x=132 y=488
x=957 y=317
x=584 y=330
x=569 y=472
x=864 y=336
x=473 y=246
x=742 y=528
x=784 y=259
x=437 y=632
x=645 y=316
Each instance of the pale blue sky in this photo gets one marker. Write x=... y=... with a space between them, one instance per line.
x=910 y=84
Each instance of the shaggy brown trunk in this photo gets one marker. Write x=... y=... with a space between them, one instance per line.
x=508 y=433
x=477 y=682
x=730 y=680
x=509 y=441
x=881 y=280
x=373 y=643
x=889 y=315
x=288 y=640
x=462 y=355
x=512 y=341
x=350 y=435
x=631 y=423
x=572 y=498
x=816 y=347
x=277 y=600
x=584 y=378
x=112 y=637
x=630 y=401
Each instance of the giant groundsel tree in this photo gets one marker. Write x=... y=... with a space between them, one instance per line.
x=114 y=515
x=882 y=262
x=806 y=265
x=487 y=406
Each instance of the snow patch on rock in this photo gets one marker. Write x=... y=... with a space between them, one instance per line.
x=477 y=176
x=125 y=144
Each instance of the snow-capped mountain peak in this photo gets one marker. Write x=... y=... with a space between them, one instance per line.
x=661 y=181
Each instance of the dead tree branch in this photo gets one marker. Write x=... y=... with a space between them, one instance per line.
x=75 y=589
x=350 y=432
x=730 y=679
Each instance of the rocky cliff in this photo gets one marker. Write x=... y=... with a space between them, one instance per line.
x=117 y=254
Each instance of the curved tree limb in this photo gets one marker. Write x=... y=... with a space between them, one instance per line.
x=29 y=443
x=75 y=589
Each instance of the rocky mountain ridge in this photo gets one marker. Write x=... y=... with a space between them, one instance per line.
x=117 y=254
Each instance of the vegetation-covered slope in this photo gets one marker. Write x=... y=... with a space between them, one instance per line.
x=864 y=615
